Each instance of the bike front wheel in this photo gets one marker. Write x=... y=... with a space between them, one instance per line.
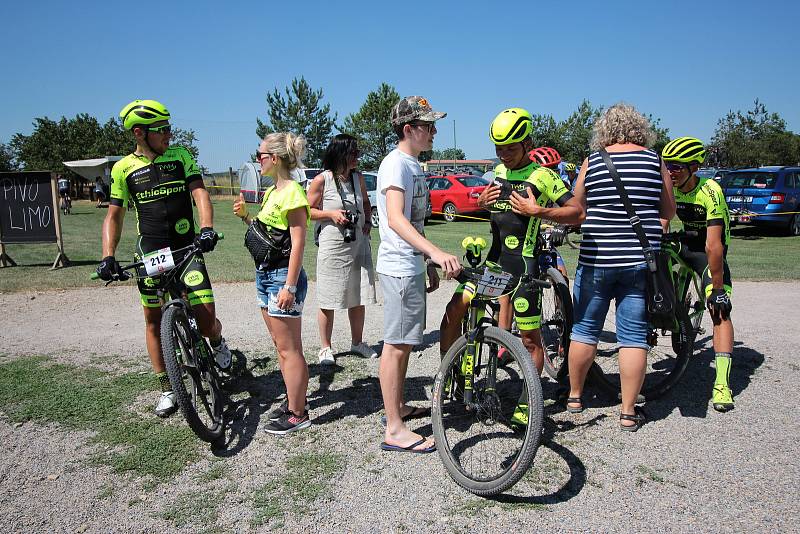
x=486 y=446
x=667 y=357
x=192 y=376
x=556 y=325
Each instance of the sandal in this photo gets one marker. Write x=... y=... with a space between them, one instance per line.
x=574 y=400
x=638 y=419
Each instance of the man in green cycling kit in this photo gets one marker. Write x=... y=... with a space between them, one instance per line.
x=516 y=200
x=702 y=208
x=160 y=182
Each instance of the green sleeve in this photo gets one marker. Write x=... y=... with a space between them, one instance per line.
x=119 y=186
x=714 y=202
x=297 y=199
x=551 y=185
x=190 y=168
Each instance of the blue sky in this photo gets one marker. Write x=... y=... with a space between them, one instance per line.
x=212 y=64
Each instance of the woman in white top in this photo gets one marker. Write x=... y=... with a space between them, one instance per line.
x=345 y=275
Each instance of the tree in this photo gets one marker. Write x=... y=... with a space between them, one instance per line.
x=372 y=126
x=300 y=112
x=448 y=153
x=7 y=158
x=576 y=132
x=546 y=131
x=752 y=139
x=52 y=143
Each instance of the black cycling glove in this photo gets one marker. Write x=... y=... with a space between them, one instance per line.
x=109 y=270
x=206 y=240
x=719 y=303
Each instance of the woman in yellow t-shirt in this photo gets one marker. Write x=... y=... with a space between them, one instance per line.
x=281 y=282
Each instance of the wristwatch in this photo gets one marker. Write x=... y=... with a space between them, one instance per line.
x=290 y=289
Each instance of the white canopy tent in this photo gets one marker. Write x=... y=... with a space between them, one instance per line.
x=91 y=169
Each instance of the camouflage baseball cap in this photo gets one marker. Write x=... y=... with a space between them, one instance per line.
x=414 y=108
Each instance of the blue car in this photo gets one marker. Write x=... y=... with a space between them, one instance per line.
x=768 y=196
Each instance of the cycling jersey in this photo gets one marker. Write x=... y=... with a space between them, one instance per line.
x=159 y=193
x=700 y=208
x=63 y=185
x=515 y=235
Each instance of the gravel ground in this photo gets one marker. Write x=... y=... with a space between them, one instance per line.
x=690 y=469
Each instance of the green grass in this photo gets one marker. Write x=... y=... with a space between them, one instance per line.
x=307 y=479
x=34 y=389
x=198 y=508
x=754 y=254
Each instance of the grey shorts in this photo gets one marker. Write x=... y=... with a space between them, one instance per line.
x=403 y=309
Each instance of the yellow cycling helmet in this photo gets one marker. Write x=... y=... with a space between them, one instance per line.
x=143 y=113
x=511 y=126
x=684 y=150
x=569 y=167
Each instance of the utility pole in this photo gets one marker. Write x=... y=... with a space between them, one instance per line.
x=454 y=146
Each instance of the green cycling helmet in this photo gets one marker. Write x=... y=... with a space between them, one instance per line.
x=511 y=126
x=684 y=150
x=143 y=113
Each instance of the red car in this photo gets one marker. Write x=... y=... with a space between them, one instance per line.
x=455 y=194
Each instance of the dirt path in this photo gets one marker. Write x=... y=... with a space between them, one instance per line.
x=690 y=469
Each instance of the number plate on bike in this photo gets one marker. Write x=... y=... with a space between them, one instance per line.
x=159 y=261
x=493 y=283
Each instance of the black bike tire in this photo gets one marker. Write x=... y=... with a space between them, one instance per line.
x=518 y=468
x=557 y=370
x=653 y=391
x=175 y=373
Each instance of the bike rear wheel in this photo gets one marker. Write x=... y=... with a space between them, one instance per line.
x=192 y=375
x=556 y=325
x=667 y=358
x=481 y=447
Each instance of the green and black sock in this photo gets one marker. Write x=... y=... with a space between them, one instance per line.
x=163 y=380
x=722 y=361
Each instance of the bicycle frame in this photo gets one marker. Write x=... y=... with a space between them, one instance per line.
x=683 y=277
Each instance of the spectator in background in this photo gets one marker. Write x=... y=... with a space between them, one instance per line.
x=611 y=262
x=345 y=275
x=99 y=191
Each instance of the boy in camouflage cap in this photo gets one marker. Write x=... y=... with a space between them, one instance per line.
x=402 y=200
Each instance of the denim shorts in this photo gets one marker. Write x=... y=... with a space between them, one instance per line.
x=595 y=288
x=270 y=282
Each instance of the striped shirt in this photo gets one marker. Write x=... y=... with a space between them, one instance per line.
x=608 y=238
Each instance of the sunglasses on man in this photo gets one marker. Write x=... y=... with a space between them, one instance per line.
x=163 y=129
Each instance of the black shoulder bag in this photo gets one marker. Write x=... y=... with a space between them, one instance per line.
x=660 y=295
x=262 y=245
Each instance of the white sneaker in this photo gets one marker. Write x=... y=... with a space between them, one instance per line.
x=326 y=356
x=167 y=404
x=222 y=354
x=364 y=350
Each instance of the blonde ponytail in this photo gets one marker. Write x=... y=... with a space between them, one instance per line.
x=290 y=148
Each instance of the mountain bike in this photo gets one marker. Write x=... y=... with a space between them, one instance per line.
x=556 y=303
x=188 y=358
x=479 y=407
x=670 y=349
x=557 y=314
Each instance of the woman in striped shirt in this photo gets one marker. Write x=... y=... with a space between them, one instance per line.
x=611 y=263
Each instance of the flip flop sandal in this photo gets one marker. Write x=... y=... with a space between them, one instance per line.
x=574 y=400
x=638 y=418
x=411 y=448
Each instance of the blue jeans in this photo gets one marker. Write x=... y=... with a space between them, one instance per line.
x=270 y=282
x=594 y=289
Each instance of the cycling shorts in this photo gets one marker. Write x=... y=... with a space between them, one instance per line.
x=63 y=192
x=698 y=261
x=526 y=299
x=194 y=275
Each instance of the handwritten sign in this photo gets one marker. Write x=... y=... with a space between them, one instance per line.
x=27 y=213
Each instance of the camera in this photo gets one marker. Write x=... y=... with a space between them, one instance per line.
x=350 y=225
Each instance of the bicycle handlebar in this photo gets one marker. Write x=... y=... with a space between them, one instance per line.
x=188 y=249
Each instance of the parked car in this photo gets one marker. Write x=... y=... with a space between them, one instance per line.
x=371 y=181
x=455 y=194
x=768 y=196
x=712 y=172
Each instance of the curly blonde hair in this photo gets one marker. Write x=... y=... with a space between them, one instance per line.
x=621 y=123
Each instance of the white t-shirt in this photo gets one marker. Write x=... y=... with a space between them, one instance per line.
x=395 y=256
